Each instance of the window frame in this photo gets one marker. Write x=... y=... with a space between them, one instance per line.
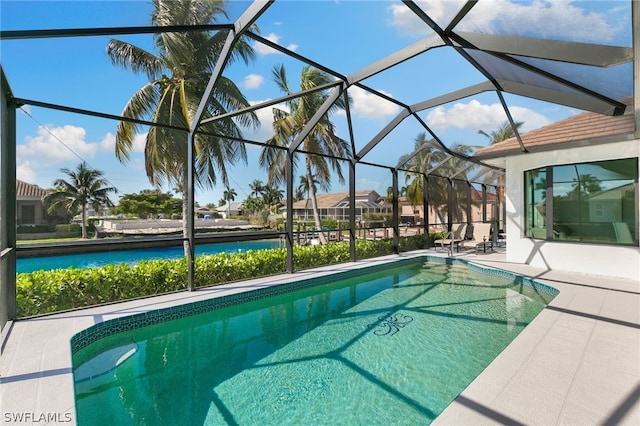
x=549 y=205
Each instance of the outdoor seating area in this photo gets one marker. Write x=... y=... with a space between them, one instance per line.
x=453 y=238
x=480 y=237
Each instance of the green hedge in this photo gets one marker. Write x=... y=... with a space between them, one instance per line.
x=72 y=227
x=44 y=228
x=35 y=229
x=43 y=292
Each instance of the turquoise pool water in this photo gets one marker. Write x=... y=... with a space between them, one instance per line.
x=89 y=260
x=389 y=347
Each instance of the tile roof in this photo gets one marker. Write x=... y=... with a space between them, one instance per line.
x=330 y=200
x=587 y=126
x=27 y=190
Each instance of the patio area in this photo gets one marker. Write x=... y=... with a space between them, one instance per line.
x=576 y=363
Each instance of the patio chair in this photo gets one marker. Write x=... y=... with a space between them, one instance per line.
x=623 y=234
x=453 y=238
x=481 y=236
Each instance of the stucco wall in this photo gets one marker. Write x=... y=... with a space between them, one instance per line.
x=595 y=259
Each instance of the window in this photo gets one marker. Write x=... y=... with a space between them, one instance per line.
x=592 y=202
x=536 y=184
x=27 y=215
x=599 y=209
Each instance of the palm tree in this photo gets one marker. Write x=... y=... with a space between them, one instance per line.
x=402 y=192
x=504 y=132
x=321 y=140
x=273 y=197
x=178 y=74
x=425 y=160
x=85 y=187
x=257 y=188
x=253 y=205
x=298 y=195
x=229 y=195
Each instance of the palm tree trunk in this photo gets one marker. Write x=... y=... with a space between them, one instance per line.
x=185 y=228
x=306 y=207
x=185 y=209
x=314 y=203
x=84 y=221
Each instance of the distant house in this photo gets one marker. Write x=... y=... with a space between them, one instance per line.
x=612 y=205
x=30 y=209
x=230 y=209
x=336 y=206
x=414 y=214
x=205 y=213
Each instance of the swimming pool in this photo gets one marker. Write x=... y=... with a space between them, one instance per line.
x=90 y=260
x=389 y=346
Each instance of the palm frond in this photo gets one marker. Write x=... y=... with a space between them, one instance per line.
x=130 y=57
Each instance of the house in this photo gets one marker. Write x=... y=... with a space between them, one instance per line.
x=410 y=213
x=205 y=213
x=570 y=229
x=30 y=209
x=230 y=209
x=612 y=205
x=336 y=206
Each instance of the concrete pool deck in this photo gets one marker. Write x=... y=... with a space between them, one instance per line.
x=577 y=363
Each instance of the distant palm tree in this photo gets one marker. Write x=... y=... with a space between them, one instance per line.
x=402 y=192
x=178 y=75
x=321 y=140
x=85 y=187
x=504 y=132
x=273 y=197
x=253 y=205
x=229 y=195
x=424 y=161
x=257 y=188
x=298 y=195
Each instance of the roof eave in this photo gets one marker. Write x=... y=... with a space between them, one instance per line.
x=510 y=152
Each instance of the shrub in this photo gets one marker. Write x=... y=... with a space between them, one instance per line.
x=72 y=227
x=43 y=292
x=35 y=229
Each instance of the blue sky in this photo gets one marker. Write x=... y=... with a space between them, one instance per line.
x=346 y=36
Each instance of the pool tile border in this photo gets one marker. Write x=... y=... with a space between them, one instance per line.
x=123 y=324
x=130 y=322
x=547 y=293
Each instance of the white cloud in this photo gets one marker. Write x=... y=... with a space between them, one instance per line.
x=368 y=105
x=54 y=145
x=262 y=49
x=475 y=116
x=531 y=119
x=139 y=142
x=26 y=172
x=252 y=81
x=407 y=23
x=40 y=158
x=556 y=19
